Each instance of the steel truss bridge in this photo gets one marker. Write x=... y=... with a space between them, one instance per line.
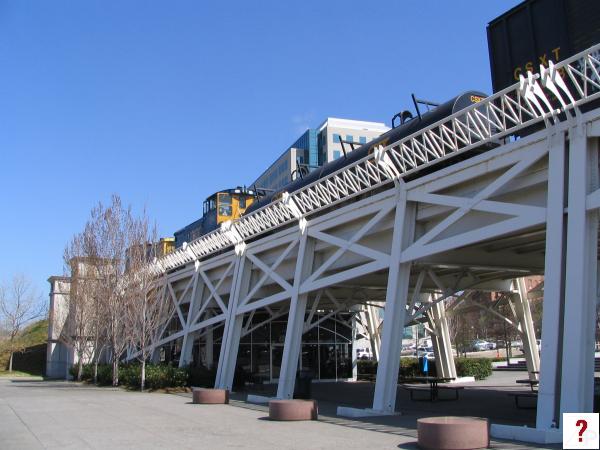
x=504 y=189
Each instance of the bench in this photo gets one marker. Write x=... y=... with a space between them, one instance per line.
x=518 y=395
x=413 y=389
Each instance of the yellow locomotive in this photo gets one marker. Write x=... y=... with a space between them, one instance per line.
x=228 y=204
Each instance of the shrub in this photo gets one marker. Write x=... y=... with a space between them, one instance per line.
x=104 y=373
x=480 y=368
x=410 y=367
x=161 y=376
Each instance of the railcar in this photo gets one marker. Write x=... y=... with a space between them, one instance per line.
x=228 y=204
x=403 y=130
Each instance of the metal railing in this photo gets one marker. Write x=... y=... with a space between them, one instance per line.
x=553 y=95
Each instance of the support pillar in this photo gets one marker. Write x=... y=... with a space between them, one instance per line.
x=209 y=347
x=188 y=338
x=354 y=349
x=523 y=316
x=386 y=384
x=295 y=324
x=373 y=328
x=444 y=357
x=551 y=351
x=233 y=326
x=577 y=388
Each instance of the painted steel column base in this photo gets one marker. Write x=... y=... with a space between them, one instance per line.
x=346 y=411
x=526 y=434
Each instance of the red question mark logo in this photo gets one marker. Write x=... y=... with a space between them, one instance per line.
x=583 y=424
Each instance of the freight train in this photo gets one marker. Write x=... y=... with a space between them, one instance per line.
x=231 y=204
x=530 y=33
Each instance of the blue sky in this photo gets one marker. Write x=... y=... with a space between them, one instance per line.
x=165 y=103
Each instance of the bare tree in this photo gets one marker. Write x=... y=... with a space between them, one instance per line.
x=19 y=305
x=109 y=233
x=81 y=267
x=147 y=311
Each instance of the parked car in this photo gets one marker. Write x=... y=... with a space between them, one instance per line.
x=422 y=351
x=479 y=345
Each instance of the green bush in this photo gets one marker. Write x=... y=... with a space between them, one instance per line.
x=366 y=368
x=104 y=373
x=157 y=376
x=410 y=367
x=480 y=368
x=162 y=376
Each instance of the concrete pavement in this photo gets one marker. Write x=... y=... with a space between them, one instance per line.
x=54 y=414
x=66 y=415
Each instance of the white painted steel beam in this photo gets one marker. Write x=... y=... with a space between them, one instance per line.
x=444 y=357
x=577 y=386
x=233 y=325
x=295 y=324
x=384 y=399
x=528 y=337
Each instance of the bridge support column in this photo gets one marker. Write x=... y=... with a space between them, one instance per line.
x=295 y=324
x=386 y=384
x=551 y=351
x=580 y=276
x=208 y=350
x=354 y=349
x=188 y=338
x=444 y=358
x=373 y=328
x=233 y=326
x=523 y=315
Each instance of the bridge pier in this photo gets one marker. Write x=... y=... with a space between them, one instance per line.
x=384 y=399
x=525 y=321
x=295 y=324
x=233 y=325
x=577 y=388
x=442 y=346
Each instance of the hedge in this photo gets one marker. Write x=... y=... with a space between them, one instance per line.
x=157 y=375
x=480 y=368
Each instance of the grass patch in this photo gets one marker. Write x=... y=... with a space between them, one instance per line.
x=18 y=374
x=33 y=340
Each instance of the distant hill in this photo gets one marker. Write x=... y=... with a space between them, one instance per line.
x=33 y=358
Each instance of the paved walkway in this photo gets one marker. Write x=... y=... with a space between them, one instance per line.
x=44 y=414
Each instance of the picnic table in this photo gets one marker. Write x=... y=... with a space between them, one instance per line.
x=433 y=384
x=531 y=381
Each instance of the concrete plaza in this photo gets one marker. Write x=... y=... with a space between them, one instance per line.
x=51 y=414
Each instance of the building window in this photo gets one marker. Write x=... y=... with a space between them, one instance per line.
x=337 y=138
x=336 y=154
x=349 y=138
x=362 y=140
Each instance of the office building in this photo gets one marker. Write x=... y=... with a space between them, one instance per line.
x=316 y=147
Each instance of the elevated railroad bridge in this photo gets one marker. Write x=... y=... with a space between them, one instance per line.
x=385 y=230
